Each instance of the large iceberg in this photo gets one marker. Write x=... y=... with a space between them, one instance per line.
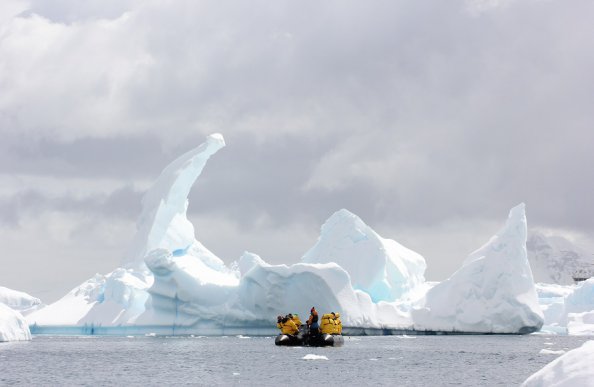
x=493 y=291
x=170 y=283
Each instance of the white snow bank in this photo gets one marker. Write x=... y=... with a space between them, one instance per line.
x=492 y=292
x=19 y=301
x=382 y=268
x=13 y=326
x=572 y=369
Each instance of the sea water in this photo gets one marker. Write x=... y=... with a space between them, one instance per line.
x=379 y=360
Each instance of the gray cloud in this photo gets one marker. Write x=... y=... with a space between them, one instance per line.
x=424 y=118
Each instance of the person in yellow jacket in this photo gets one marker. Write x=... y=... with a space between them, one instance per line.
x=288 y=327
x=337 y=323
x=296 y=319
x=327 y=325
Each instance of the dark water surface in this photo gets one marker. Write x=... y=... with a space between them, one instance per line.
x=379 y=360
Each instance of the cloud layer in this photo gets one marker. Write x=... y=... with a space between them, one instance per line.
x=428 y=119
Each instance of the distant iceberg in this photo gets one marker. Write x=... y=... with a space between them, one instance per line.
x=170 y=283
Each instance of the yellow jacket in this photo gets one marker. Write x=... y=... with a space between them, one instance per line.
x=327 y=324
x=297 y=320
x=289 y=328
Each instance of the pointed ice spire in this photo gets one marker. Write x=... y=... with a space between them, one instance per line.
x=493 y=291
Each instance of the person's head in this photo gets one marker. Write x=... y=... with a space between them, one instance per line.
x=279 y=318
x=290 y=315
x=313 y=309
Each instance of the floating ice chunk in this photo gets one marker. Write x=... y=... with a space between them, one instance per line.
x=574 y=368
x=493 y=291
x=382 y=268
x=551 y=352
x=311 y=356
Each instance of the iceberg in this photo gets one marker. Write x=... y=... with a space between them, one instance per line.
x=169 y=283
x=573 y=368
x=568 y=309
x=13 y=326
x=493 y=291
x=382 y=268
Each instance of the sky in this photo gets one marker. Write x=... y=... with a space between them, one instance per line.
x=429 y=119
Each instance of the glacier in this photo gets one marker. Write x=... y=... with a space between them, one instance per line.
x=169 y=283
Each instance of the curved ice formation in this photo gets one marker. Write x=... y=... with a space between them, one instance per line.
x=163 y=222
x=13 y=327
x=382 y=268
x=574 y=368
x=492 y=292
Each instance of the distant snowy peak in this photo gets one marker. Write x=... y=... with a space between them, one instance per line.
x=163 y=223
x=383 y=268
x=554 y=259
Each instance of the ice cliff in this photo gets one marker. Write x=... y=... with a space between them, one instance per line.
x=171 y=284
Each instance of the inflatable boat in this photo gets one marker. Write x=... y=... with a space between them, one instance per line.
x=319 y=340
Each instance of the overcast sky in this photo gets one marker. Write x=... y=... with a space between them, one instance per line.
x=429 y=119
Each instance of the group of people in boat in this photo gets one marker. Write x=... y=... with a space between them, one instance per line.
x=330 y=323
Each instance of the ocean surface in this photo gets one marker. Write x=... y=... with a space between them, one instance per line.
x=378 y=360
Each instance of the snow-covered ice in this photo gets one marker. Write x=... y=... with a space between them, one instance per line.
x=170 y=283
x=574 y=368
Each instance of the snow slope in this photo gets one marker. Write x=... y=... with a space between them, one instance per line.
x=493 y=291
